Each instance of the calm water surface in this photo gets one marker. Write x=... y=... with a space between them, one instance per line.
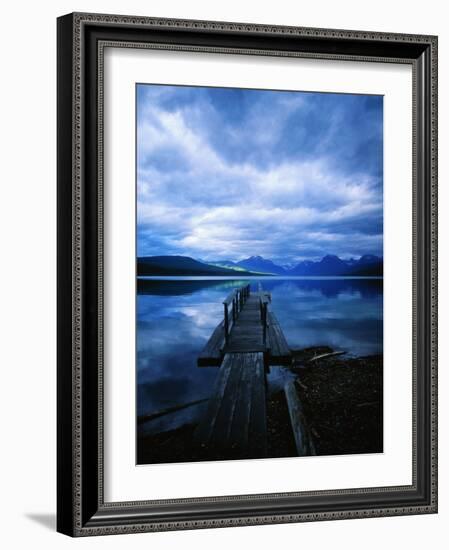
x=176 y=316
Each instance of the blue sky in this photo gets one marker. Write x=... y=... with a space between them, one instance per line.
x=228 y=173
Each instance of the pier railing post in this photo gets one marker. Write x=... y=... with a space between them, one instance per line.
x=264 y=321
x=263 y=305
x=226 y=322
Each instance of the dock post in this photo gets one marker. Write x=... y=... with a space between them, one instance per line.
x=264 y=321
x=226 y=322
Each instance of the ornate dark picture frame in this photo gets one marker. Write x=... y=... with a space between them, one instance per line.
x=81 y=509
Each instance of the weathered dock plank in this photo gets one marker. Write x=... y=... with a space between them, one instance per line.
x=279 y=350
x=211 y=354
x=235 y=420
x=205 y=428
x=258 y=419
x=247 y=333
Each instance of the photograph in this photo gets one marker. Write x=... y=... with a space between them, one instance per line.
x=259 y=273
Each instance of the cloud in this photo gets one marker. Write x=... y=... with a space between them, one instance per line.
x=223 y=174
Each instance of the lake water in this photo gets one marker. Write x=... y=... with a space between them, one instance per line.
x=176 y=316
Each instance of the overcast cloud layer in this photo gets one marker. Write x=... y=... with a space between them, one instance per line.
x=230 y=173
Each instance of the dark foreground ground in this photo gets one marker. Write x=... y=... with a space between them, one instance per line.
x=342 y=403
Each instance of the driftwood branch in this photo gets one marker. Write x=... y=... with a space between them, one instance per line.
x=324 y=355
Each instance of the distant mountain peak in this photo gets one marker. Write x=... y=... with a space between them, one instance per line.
x=330 y=257
x=258 y=263
x=332 y=265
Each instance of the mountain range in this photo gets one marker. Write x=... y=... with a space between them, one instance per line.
x=329 y=265
x=182 y=265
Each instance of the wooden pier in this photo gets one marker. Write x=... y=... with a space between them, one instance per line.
x=248 y=326
x=244 y=344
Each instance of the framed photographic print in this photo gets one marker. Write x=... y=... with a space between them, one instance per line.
x=247 y=284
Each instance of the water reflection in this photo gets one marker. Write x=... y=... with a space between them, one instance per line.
x=175 y=318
